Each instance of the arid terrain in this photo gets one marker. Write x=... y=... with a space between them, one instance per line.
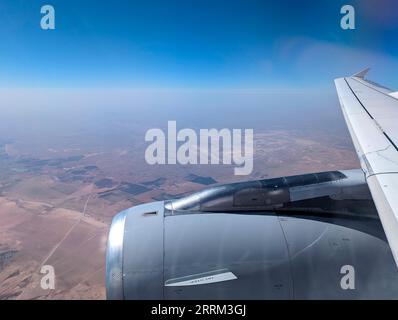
x=57 y=211
x=65 y=173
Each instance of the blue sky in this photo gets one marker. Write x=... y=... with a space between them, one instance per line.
x=195 y=44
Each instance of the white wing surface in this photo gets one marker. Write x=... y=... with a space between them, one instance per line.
x=371 y=114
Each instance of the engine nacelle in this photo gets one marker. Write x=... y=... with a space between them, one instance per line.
x=269 y=239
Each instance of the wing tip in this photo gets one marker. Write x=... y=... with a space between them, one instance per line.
x=361 y=74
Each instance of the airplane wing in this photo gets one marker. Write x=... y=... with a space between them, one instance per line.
x=371 y=114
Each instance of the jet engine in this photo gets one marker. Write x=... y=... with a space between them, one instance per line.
x=312 y=236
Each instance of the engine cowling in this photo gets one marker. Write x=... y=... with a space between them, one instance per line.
x=229 y=242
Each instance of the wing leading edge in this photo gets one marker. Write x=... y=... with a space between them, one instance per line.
x=371 y=114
